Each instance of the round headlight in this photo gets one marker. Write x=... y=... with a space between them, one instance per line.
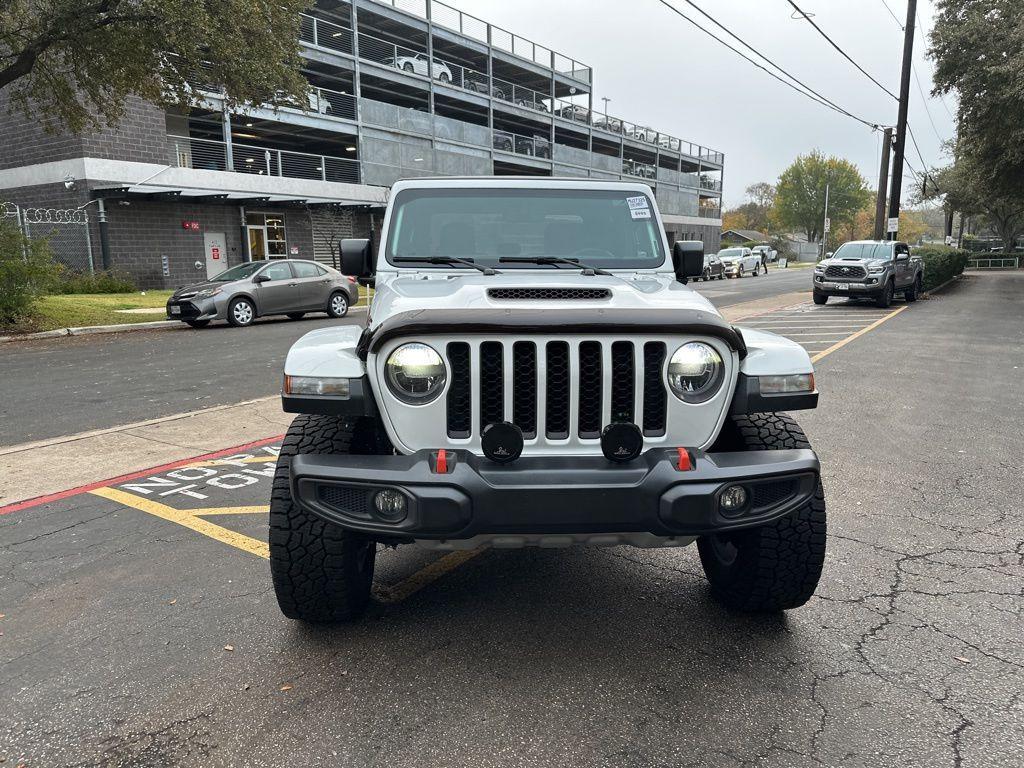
x=415 y=373
x=695 y=372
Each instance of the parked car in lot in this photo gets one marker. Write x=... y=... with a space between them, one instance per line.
x=419 y=63
x=239 y=295
x=569 y=392
x=740 y=261
x=713 y=268
x=612 y=124
x=869 y=269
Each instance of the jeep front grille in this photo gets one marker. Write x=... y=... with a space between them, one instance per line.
x=564 y=382
x=851 y=272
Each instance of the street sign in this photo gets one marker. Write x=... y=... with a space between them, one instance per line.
x=894 y=225
x=828 y=224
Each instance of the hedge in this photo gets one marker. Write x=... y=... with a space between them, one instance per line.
x=941 y=264
x=96 y=282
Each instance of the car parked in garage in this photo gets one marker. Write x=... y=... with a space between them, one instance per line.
x=239 y=295
x=740 y=261
x=419 y=64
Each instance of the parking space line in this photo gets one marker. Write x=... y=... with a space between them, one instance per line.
x=187 y=519
x=843 y=342
x=424 y=576
x=258 y=509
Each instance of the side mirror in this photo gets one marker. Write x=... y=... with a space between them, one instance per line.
x=356 y=257
x=829 y=254
x=688 y=259
x=262 y=277
x=902 y=257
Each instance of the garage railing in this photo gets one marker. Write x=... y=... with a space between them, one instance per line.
x=212 y=155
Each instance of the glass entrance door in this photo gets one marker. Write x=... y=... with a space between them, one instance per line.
x=257 y=243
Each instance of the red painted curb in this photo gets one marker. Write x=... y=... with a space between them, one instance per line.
x=20 y=505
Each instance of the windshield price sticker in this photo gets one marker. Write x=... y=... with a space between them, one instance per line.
x=638 y=207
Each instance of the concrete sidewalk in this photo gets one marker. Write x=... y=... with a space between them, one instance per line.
x=30 y=470
x=36 y=469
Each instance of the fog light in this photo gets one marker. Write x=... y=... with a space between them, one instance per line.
x=733 y=498
x=391 y=505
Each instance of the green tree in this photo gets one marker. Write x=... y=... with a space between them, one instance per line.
x=800 y=194
x=976 y=46
x=74 y=63
x=755 y=213
x=27 y=271
x=965 y=187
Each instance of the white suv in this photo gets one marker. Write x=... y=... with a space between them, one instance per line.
x=536 y=372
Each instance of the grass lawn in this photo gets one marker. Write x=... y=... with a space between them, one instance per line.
x=81 y=309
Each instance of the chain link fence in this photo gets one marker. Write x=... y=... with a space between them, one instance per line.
x=65 y=229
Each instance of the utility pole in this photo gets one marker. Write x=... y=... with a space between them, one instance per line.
x=825 y=225
x=883 y=182
x=901 y=120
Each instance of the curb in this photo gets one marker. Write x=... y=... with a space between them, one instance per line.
x=89 y=330
x=936 y=289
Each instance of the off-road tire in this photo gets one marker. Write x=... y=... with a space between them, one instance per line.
x=912 y=293
x=820 y=298
x=322 y=573
x=197 y=323
x=296 y=315
x=775 y=566
x=884 y=299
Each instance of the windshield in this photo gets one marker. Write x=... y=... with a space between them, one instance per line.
x=730 y=253
x=239 y=272
x=610 y=229
x=863 y=251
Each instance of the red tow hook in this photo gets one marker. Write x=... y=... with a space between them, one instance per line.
x=685 y=461
x=444 y=461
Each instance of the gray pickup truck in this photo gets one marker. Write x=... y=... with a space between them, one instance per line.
x=869 y=269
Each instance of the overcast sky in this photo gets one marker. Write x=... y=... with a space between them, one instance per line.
x=659 y=70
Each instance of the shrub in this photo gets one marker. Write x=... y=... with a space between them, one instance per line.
x=941 y=263
x=27 y=271
x=97 y=282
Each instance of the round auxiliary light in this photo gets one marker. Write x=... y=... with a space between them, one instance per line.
x=733 y=499
x=415 y=373
x=695 y=372
x=391 y=505
x=621 y=441
x=502 y=442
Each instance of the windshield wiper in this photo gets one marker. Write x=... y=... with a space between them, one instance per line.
x=554 y=261
x=446 y=260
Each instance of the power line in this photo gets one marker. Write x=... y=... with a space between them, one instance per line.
x=809 y=92
x=894 y=16
x=924 y=100
x=844 y=54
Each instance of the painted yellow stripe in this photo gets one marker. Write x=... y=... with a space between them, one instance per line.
x=424 y=576
x=188 y=520
x=258 y=509
x=858 y=334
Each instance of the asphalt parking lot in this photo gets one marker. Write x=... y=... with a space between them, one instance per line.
x=139 y=626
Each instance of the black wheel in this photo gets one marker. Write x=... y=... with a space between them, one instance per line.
x=885 y=298
x=322 y=573
x=337 y=305
x=707 y=274
x=408 y=67
x=722 y=276
x=820 y=298
x=296 y=315
x=241 y=312
x=776 y=566
x=913 y=291
x=740 y=274
x=198 y=323
x=444 y=77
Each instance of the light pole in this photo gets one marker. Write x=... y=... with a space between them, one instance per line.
x=605 y=99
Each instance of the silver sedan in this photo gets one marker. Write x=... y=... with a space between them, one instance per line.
x=239 y=295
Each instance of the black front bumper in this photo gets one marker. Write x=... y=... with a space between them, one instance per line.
x=554 y=494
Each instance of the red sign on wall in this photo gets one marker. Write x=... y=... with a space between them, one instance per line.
x=215 y=252
x=192 y=226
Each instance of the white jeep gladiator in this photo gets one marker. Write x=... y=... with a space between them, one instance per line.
x=534 y=371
